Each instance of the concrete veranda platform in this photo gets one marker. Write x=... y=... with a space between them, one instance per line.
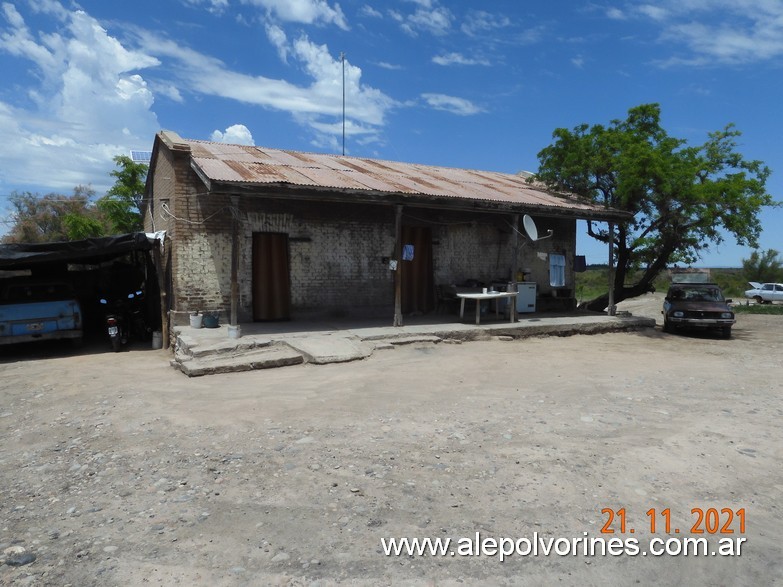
x=204 y=351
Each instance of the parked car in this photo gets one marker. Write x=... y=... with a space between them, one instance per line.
x=697 y=305
x=33 y=310
x=765 y=293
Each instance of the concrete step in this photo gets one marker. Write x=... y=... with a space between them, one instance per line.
x=323 y=349
x=228 y=347
x=263 y=358
x=415 y=339
x=193 y=345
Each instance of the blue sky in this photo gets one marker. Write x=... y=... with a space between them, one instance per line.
x=457 y=83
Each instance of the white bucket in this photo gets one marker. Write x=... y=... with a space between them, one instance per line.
x=195 y=320
x=157 y=340
x=234 y=331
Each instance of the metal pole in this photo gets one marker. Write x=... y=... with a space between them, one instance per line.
x=342 y=58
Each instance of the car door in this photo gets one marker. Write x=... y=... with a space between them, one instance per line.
x=777 y=295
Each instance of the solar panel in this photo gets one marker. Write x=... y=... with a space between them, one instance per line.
x=141 y=156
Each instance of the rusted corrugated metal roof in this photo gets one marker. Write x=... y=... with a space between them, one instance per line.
x=248 y=165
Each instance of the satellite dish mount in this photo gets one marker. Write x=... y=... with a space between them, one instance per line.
x=532 y=231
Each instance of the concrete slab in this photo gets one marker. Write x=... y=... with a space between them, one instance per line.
x=330 y=348
x=264 y=358
x=196 y=348
x=204 y=351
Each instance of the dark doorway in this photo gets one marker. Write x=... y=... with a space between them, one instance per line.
x=271 y=278
x=418 y=282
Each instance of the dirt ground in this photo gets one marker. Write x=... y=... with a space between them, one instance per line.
x=117 y=470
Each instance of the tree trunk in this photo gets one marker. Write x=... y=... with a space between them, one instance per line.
x=626 y=292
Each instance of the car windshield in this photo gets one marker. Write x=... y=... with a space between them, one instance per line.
x=697 y=294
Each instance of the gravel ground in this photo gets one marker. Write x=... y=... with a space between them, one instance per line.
x=117 y=470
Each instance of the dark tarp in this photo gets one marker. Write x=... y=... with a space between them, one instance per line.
x=91 y=250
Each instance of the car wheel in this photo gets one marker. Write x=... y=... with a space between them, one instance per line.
x=666 y=326
x=758 y=299
x=727 y=332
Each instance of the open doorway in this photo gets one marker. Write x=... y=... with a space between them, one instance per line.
x=418 y=281
x=271 y=277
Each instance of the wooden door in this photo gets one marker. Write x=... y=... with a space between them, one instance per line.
x=418 y=282
x=271 y=277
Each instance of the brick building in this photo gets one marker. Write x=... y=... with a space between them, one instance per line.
x=268 y=234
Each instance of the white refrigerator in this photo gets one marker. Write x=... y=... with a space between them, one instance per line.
x=526 y=297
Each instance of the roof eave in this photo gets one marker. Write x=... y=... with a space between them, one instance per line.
x=273 y=190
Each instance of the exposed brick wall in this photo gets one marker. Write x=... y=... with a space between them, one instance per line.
x=336 y=259
x=481 y=247
x=335 y=253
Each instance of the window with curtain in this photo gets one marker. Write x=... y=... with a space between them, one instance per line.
x=556 y=270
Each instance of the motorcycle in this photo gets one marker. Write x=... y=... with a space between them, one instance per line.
x=123 y=316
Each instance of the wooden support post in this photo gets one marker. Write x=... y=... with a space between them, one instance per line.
x=163 y=287
x=610 y=309
x=512 y=309
x=398 y=271
x=234 y=259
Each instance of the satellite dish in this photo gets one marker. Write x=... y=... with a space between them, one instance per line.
x=532 y=230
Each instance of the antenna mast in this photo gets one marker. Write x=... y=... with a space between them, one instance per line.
x=342 y=59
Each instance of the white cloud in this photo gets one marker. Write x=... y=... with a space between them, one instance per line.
x=452 y=104
x=458 y=59
x=389 y=66
x=89 y=105
x=316 y=105
x=719 y=31
x=214 y=6
x=237 y=134
x=94 y=97
x=429 y=18
x=369 y=12
x=169 y=90
x=653 y=12
x=278 y=38
x=578 y=61
x=479 y=22
x=303 y=11
x=615 y=14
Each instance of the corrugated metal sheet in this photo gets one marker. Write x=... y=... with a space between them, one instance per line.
x=255 y=165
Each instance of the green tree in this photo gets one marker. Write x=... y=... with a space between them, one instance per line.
x=682 y=197
x=122 y=204
x=54 y=217
x=766 y=267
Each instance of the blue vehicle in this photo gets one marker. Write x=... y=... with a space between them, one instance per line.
x=33 y=310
